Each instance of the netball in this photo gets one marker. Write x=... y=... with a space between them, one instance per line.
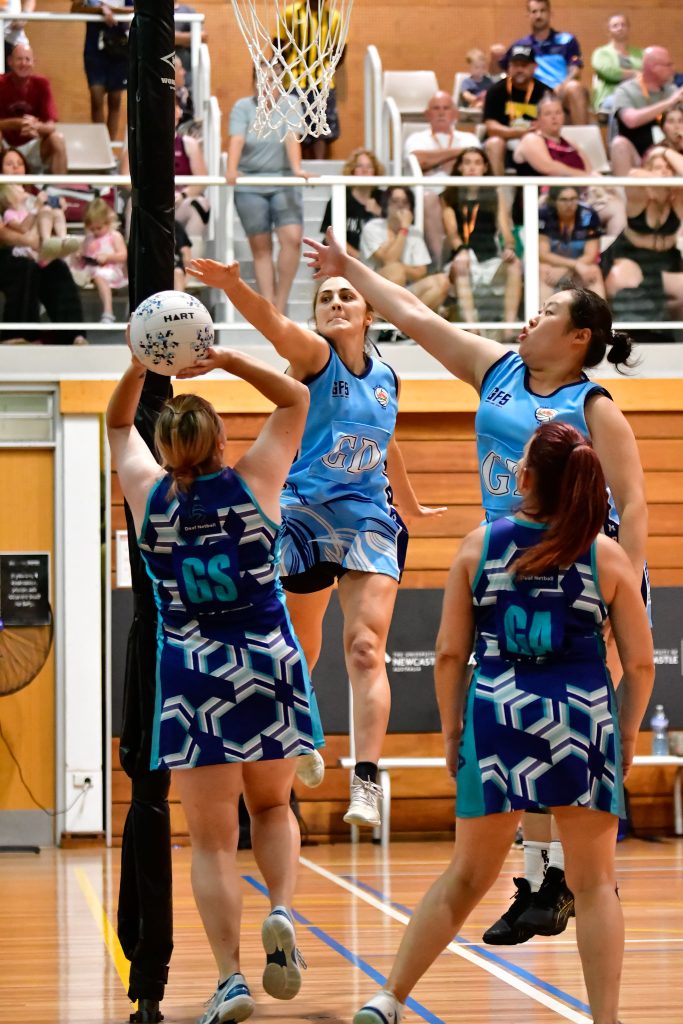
x=170 y=331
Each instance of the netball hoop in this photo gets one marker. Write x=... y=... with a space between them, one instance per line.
x=296 y=48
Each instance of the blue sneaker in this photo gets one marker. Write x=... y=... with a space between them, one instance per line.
x=384 y=1008
x=282 y=973
x=230 y=1002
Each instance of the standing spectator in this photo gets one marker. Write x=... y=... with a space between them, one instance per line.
x=183 y=37
x=544 y=151
x=303 y=23
x=558 y=59
x=638 y=106
x=362 y=202
x=394 y=247
x=473 y=219
x=264 y=209
x=103 y=258
x=474 y=87
x=569 y=243
x=614 y=63
x=28 y=113
x=435 y=149
x=105 y=57
x=14 y=30
x=511 y=108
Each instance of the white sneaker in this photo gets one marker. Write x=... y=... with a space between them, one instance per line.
x=384 y=1008
x=231 y=1001
x=282 y=973
x=364 y=808
x=310 y=769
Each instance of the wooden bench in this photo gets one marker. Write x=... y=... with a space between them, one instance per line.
x=386 y=764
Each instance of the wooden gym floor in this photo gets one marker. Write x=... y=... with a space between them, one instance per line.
x=60 y=962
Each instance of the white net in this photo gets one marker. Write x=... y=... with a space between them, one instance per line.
x=296 y=48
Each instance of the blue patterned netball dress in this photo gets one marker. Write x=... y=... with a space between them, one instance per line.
x=232 y=680
x=541 y=717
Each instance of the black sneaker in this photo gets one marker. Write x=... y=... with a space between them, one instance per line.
x=148 y=1012
x=507 y=930
x=551 y=907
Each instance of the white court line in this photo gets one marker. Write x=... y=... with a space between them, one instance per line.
x=561 y=1009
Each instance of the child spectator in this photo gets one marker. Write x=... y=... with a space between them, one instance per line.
x=473 y=89
x=23 y=212
x=103 y=257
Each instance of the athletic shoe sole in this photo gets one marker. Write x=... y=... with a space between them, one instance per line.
x=281 y=975
x=236 y=1009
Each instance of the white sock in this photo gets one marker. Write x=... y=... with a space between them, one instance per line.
x=556 y=855
x=535 y=860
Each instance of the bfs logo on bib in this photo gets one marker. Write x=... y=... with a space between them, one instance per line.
x=545 y=415
x=382 y=396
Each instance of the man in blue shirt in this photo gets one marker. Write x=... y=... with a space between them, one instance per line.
x=558 y=60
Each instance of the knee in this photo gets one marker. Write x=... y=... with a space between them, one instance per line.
x=364 y=652
x=55 y=142
x=585 y=879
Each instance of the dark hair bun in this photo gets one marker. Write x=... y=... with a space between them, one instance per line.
x=620 y=348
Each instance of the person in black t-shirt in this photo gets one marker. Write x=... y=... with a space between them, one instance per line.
x=362 y=202
x=510 y=107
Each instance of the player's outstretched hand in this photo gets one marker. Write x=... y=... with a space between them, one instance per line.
x=326 y=259
x=214 y=274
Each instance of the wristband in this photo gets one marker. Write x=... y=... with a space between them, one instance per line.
x=460 y=249
x=403 y=231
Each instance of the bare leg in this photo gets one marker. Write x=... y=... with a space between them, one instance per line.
x=53 y=152
x=495 y=149
x=395 y=272
x=97 y=95
x=367 y=601
x=589 y=840
x=187 y=215
x=275 y=835
x=113 y=113
x=575 y=101
x=307 y=612
x=45 y=222
x=623 y=156
x=262 y=251
x=463 y=289
x=479 y=853
x=59 y=223
x=433 y=227
x=209 y=796
x=432 y=290
x=104 y=292
x=513 y=290
x=287 y=262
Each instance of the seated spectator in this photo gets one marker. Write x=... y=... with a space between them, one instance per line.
x=614 y=63
x=610 y=207
x=644 y=265
x=474 y=88
x=435 y=149
x=192 y=208
x=672 y=127
x=183 y=94
x=103 y=259
x=105 y=57
x=28 y=113
x=558 y=60
x=637 y=107
x=394 y=247
x=15 y=30
x=182 y=257
x=264 y=209
x=362 y=203
x=569 y=243
x=479 y=233
x=183 y=40
x=24 y=211
x=544 y=151
x=511 y=108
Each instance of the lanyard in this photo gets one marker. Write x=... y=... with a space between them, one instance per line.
x=529 y=90
x=469 y=221
x=646 y=93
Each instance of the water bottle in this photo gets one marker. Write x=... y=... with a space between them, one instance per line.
x=659 y=724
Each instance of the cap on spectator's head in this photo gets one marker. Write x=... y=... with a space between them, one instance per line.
x=522 y=53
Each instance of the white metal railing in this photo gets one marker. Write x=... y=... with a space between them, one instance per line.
x=223 y=213
x=372 y=89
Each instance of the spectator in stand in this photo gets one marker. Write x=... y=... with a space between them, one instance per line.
x=436 y=148
x=569 y=244
x=103 y=259
x=182 y=93
x=558 y=60
x=638 y=106
x=511 y=108
x=473 y=219
x=183 y=39
x=672 y=126
x=543 y=151
x=14 y=30
x=28 y=113
x=394 y=247
x=474 y=88
x=192 y=208
x=644 y=264
x=264 y=209
x=362 y=202
x=23 y=211
x=614 y=63
x=105 y=57
x=182 y=257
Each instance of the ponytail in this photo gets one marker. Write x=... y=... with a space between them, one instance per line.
x=569 y=494
x=185 y=436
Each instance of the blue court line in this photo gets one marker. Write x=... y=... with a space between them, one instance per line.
x=482 y=951
x=357 y=961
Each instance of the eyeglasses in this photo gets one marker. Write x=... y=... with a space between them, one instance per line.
x=567 y=199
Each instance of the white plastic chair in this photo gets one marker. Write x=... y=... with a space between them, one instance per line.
x=411 y=90
x=88 y=148
x=589 y=138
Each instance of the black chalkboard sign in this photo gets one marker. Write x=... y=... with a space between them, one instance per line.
x=24 y=589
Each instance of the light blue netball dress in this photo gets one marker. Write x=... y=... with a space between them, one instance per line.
x=336 y=505
x=509 y=412
x=232 y=681
x=540 y=726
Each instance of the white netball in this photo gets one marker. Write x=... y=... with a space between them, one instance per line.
x=170 y=331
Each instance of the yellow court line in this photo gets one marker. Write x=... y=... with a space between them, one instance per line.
x=111 y=939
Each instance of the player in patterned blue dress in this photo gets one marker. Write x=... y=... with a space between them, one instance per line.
x=232 y=688
x=538 y=722
x=340 y=523
x=543 y=380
